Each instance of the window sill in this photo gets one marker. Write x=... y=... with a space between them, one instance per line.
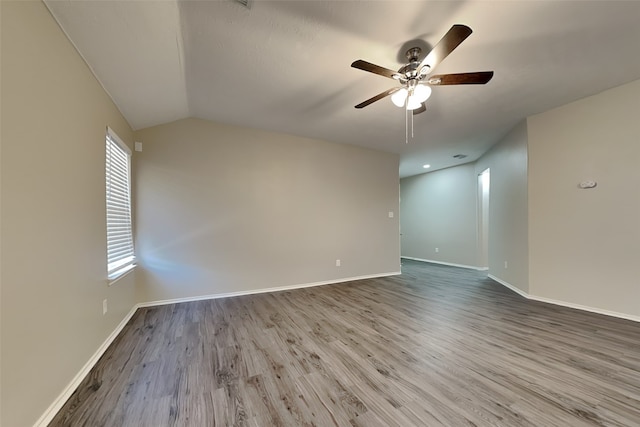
x=121 y=274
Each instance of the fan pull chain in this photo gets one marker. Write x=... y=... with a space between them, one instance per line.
x=411 y=114
x=406 y=126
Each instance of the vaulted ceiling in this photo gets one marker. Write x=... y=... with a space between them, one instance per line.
x=285 y=65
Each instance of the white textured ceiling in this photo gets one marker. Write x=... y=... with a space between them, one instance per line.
x=285 y=65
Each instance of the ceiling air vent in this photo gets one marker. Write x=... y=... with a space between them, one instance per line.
x=245 y=3
x=459 y=156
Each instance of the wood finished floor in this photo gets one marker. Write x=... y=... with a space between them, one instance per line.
x=437 y=346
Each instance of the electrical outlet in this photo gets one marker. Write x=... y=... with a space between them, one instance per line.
x=506 y=265
x=104 y=307
x=437 y=250
x=337 y=263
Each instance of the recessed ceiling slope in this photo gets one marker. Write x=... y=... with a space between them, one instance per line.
x=135 y=49
x=285 y=66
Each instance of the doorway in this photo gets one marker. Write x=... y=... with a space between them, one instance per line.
x=484 y=184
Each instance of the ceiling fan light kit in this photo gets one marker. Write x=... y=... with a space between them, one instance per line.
x=413 y=103
x=412 y=98
x=415 y=76
x=399 y=97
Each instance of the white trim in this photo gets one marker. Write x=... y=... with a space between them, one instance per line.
x=450 y=264
x=510 y=286
x=57 y=404
x=586 y=308
x=122 y=274
x=118 y=141
x=53 y=409
x=264 y=290
x=118 y=213
x=86 y=63
x=564 y=303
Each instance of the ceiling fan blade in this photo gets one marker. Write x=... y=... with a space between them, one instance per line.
x=378 y=97
x=373 y=68
x=477 y=78
x=456 y=35
x=419 y=110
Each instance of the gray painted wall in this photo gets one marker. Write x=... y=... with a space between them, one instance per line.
x=225 y=209
x=54 y=262
x=585 y=244
x=508 y=212
x=438 y=210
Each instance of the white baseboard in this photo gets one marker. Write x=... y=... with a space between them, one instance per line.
x=264 y=290
x=564 y=303
x=509 y=285
x=53 y=409
x=586 y=308
x=450 y=264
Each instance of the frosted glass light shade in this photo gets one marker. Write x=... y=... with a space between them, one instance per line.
x=413 y=103
x=399 y=97
x=421 y=93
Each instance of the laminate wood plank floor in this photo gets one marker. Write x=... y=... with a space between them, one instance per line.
x=436 y=346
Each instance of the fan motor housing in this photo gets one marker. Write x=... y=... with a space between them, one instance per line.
x=413 y=54
x=410 y=70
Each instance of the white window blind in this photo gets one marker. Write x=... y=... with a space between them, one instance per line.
x=120 y=255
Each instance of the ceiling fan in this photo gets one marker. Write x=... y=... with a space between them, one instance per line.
x=415 y=76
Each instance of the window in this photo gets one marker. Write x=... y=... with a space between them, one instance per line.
x=120 y=255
